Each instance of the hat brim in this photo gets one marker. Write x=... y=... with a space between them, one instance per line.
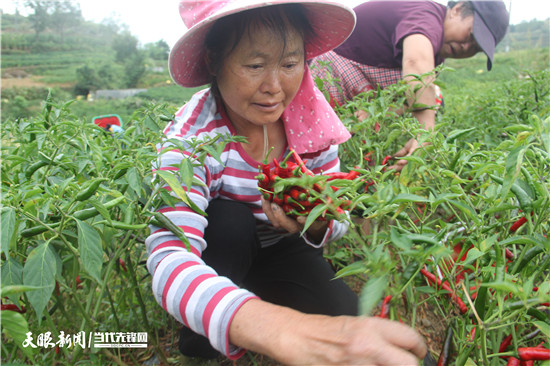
x=332 y=24
x=484 y=38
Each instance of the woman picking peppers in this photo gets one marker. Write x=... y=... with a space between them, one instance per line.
x=249 y=280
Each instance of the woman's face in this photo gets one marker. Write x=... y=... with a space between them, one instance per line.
x=260 y=77
x=458 y=36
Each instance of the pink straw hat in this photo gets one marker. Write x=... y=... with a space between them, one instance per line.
x=332 y=22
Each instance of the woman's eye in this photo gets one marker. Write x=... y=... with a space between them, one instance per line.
x=290 y=65
x=254 y=66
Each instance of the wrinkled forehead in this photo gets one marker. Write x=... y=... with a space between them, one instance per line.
x=263 y=36
x=269 y=25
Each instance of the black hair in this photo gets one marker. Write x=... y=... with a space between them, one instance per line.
x=226 y=33
x=467 y=8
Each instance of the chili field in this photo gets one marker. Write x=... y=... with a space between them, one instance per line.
x=455 y=245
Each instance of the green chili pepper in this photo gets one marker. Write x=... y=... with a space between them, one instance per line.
x=36 y=230
x=526 y=258
x=34 y=167
x=121 y=225
x=88 y=191
x=161 y=220
x=92 y=211
x=523 y=198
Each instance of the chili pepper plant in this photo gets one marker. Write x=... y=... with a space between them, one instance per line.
x=76 y=204
x=462 y=229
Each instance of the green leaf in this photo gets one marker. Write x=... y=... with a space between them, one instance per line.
x=399 y=240
x=458 y=133
x=39 y=271
x=313 y=215
x=544 y=328
x=134 y=180
x=504 y=287
x=371 y=294
x=186 y=173
x=12 y=275
x=16 y=326
x=352 y=269
x=7 y=228
x=408 y=197
x=466 y=210
x=176 y=187
x=514 y=160
x=89 y=246
x=444 y=197
x=414 y=159
x=472 y=255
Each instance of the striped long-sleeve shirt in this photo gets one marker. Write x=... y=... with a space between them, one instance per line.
x=183 y=284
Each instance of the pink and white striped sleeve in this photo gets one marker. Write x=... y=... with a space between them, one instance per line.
x=183 y=284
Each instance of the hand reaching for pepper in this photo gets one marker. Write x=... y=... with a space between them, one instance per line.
x=292 y=337
x=407 y=150
x=280 y=220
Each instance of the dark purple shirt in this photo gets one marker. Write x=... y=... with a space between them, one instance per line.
x=382 y=25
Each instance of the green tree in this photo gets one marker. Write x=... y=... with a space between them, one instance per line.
x=40 y=19
x=134 y=68
x=158 y=50
x=66 y=15
x=125 y=46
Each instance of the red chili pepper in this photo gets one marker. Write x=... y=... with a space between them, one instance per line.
x=386 y=159
x=526 y=363
x=122 y=264
x=512 y=361
x=13 y=307
x=473 y=333
x=301 y=163
x=505 y=343
x=533 y=353
x=516 y=225
x=385 y=309
x=509 y=254
x=445 y=285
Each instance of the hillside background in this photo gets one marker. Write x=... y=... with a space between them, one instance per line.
x=55 y=49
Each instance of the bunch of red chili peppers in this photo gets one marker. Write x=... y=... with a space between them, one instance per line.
x=297 y=200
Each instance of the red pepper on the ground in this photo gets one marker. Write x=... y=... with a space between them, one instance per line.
x=386 y=159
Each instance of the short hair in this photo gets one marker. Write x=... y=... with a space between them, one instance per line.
x=227 y=32
x=467 y=8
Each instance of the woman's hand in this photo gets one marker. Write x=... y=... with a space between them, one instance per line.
x=292 y=337
x=280 y=220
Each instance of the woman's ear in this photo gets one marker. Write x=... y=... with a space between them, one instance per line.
x=457 y=9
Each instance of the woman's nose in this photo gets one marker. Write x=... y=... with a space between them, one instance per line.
x=271 y=83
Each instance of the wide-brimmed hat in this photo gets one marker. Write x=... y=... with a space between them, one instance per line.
x=490 y=25
x=332 y=23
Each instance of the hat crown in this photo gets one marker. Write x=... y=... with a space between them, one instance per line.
x=195 y=11
x=495 y=16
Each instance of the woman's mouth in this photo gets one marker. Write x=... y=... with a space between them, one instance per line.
x=268 y=107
